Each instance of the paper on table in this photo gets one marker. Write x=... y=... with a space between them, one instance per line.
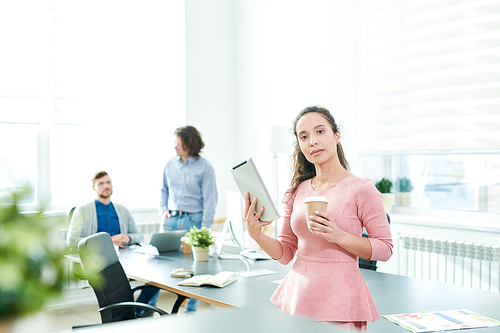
x=256 y=272
x=432 y=321
x=150 y=251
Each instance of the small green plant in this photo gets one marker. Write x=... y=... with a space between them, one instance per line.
x=199 y=237
x=31 y=260
x=384 y=185
x=404 y=185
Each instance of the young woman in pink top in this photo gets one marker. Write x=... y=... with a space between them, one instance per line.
x=325 y=283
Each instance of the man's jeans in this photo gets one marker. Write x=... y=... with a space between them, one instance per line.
x=185 y=221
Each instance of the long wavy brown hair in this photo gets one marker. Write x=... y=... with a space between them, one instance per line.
x=191 y=139
x=303 y=169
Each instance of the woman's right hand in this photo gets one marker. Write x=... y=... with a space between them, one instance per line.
x=254 y=224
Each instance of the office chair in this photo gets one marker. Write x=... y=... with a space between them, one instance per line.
x=77 y=268
x=64 y=231
x=107 y=278
x=370 y=264
x=70 y=214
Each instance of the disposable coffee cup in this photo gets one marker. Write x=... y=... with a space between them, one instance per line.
x=313 y=204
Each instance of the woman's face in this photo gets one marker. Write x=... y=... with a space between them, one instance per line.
x=316 y=139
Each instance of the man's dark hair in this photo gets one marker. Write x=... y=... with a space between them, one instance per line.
x=191 y=139
x=98 y=175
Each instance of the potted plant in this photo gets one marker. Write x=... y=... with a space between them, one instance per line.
x=200 y=240
x=31 y=259
x=385 y=186
x=404 y=188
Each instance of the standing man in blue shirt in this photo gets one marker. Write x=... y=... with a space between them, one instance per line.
x=102 y=215
x=189 y=193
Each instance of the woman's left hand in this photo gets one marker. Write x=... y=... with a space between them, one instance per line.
x=323 y=225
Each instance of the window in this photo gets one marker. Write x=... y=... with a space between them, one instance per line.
x=18 y=160
x=429 y=100
x=461 y=182
x=90 y=86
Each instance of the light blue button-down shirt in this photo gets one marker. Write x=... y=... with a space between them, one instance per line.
x=190 y=187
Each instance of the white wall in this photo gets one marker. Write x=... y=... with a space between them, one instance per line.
x=255 y=63
x=292 y=54
x=211 y=84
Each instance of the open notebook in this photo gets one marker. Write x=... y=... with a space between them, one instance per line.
x=220 y=280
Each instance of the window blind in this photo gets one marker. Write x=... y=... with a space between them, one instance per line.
x=429 y=76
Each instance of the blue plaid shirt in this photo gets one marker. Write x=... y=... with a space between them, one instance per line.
x=190 y=187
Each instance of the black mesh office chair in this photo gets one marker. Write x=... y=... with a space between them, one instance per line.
x=107 y=278
x=370 y=264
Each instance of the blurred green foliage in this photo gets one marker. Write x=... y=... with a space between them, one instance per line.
x=404 y=185
x=31 y=257
x=384 y=185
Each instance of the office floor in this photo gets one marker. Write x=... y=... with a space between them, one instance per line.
x=79 y=307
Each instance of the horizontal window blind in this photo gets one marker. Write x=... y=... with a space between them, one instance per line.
x=429 y=76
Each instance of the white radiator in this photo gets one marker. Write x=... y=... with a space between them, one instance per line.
x=148 y=228
x=456 y=262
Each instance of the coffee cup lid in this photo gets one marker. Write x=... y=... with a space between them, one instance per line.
x=315 y=198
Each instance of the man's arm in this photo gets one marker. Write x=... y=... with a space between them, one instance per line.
x=75 y=229
x=121 y=240
x=210 y=197
x=131 y=230
x=163 y=210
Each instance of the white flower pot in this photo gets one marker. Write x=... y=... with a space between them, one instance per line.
x=404 y=199
x=200 y=254
x=388 y=198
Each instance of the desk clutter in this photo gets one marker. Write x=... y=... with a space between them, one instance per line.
x=181 y=273
x=150 y=251
x=434 y=321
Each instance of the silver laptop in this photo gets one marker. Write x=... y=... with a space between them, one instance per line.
x=168 y=240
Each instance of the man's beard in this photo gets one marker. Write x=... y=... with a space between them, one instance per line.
x=105 y=196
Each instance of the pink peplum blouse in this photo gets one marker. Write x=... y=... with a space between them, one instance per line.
x=325 y=283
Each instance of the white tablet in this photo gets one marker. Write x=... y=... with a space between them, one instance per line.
x=248 y=179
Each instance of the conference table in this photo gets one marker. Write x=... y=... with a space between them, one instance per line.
x=393 y=294
x=240 y=294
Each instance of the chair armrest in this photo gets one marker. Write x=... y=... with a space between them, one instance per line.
x=145 y=286
x=177 y=303
x=133 y=304
x=367 y=264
